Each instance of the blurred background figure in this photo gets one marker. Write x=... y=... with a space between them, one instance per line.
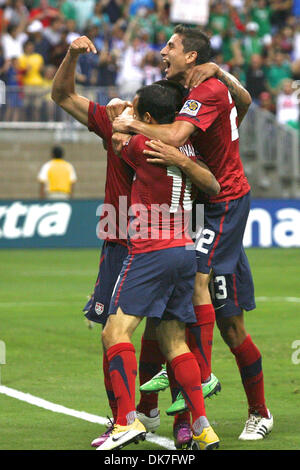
x=57 y=177
x=287 y=104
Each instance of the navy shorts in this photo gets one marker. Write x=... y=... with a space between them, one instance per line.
x=111 y=262
x=220 y=250
x=158 y=284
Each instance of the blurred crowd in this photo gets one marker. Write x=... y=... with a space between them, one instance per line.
x=256 y=40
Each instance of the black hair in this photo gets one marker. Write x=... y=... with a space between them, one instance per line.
x=193 y=39
x=57 y=152
x=177 y=89
x=159 y=101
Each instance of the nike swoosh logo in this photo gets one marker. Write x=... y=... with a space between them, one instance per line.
x=119 y=437
x=217 y=308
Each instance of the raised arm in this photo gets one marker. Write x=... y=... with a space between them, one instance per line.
x=63 y=86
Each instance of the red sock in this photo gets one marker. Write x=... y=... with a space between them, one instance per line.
x=175 y=389
x=123 y=371
x=199 y=338
x=109 y=389
x=188 y=376
x=150 y=362
x=249 y=362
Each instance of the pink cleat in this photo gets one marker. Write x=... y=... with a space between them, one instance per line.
x=182 y=436
x=101 y=439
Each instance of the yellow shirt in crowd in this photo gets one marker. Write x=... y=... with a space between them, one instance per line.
x=33 y=64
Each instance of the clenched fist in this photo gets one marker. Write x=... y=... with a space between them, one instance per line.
x=82 y=45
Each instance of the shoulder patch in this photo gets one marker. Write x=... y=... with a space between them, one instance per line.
x=191 y=107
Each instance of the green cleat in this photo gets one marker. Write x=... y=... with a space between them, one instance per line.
x=209 y=388
x=158 y=383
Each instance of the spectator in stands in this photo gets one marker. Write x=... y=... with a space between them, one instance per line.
x=130 y=76
x=266 y=102
x=54 y=31
x=68 y=10
x=84 y=10
x=13 y=40
x=48 y=107
x=261 y=14
x=252 y=43
x=57 y=177
x=31 y=65
x=287 y=104
x=14 y=94
x=255 y=77
x=15 y=11
x=59 y=50
x=278 y=70
x=98 y=18
x=41 y=44
x=44 y=13
x=114 y=9
x=72 y=32
x=281 y=9
x=151 y=66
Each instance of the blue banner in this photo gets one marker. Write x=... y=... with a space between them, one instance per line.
x=45 y=224
x=273 y=222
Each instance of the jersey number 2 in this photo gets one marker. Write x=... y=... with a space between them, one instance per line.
x=233 y=116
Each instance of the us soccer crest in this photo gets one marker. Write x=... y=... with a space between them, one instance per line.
x=191 y=107
x=99 y=308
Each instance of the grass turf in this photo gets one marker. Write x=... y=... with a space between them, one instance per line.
x=53 y=355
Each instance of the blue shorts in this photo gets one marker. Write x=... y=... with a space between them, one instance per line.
x=158 y=284
x=220 y=250
x=111 y=262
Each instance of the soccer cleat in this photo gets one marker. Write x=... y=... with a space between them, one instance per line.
x=209 y=388
x=257 y=427
x=122 y=436
x=101 y=439
x=178 y=406
x=182 y=436
x=151 y=423
x=208 y=440
x=158 y=383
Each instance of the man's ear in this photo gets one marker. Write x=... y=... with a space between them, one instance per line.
x=147 y=117
x=191 y=57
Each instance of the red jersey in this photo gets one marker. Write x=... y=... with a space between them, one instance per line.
x=114 y=216
x=161 y=201
x=211 y=109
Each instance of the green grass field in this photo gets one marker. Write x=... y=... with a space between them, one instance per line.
x=52 y=354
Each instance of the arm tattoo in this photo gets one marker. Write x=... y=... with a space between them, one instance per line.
x=240 y=95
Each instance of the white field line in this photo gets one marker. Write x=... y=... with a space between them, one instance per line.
x=47 y=405
x=49 y=303
x=278 y=299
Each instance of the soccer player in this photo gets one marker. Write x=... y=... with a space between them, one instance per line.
x=114 y=251
x=209 y=116
x=157 y=278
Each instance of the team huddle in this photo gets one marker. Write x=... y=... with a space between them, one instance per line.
x=174 y=149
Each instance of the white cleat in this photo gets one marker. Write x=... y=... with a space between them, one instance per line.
x=257 y=427
x=151 y=423
x=122 y=436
